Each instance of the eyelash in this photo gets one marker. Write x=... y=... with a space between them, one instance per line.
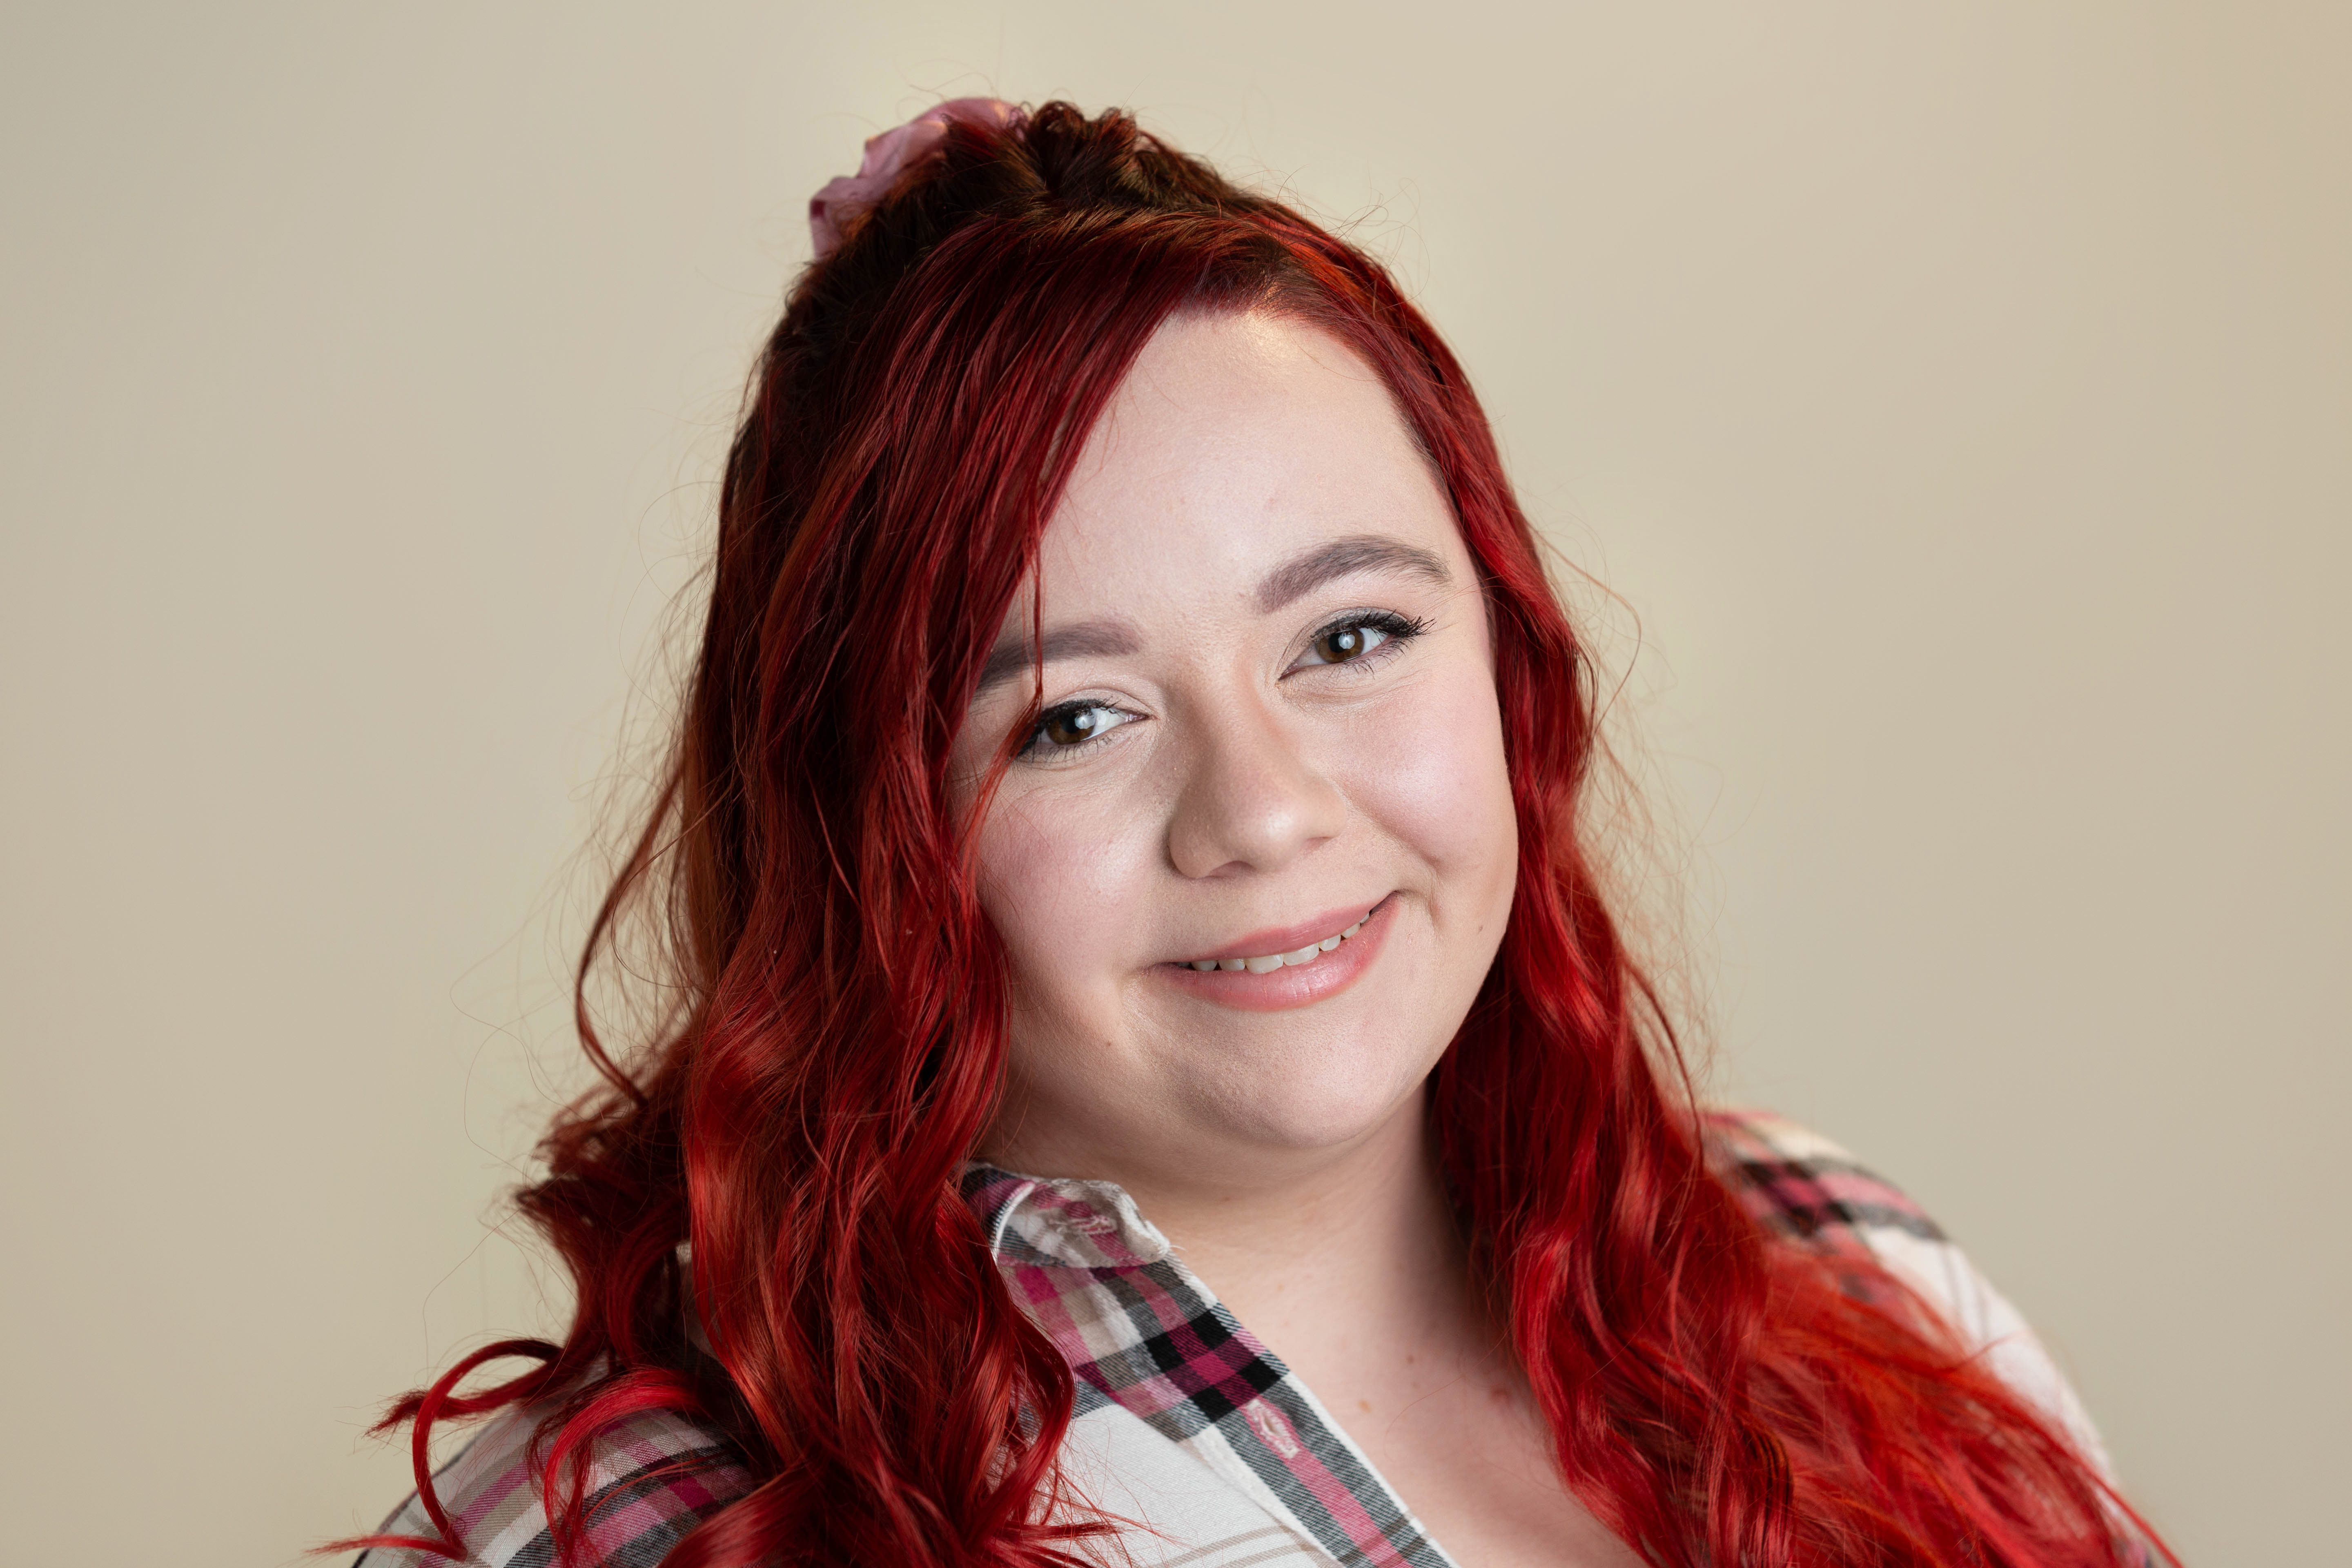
x=1396 y=631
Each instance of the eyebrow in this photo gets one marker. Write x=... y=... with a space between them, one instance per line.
x=1082 y=639
x=1296 y=578
x=1291 y=580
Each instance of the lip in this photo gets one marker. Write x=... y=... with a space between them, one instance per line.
x=1291 y=938
x=1282 y=989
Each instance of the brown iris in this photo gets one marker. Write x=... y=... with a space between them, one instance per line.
x=1341 y=643
x=1069 y=726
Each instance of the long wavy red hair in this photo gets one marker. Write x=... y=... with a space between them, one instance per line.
x=840 y=1037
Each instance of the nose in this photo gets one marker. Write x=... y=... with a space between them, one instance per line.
x=1253 y=799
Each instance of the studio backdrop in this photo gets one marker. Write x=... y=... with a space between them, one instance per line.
x=1957 y=402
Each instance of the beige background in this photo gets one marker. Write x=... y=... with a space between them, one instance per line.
x=1960 y=397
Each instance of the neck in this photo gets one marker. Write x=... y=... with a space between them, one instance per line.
x=1358 y=1242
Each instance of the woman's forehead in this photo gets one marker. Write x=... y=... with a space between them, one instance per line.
x=1237 y=443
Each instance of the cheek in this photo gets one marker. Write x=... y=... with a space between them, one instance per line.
x=1058 y=872
x=1431 y=771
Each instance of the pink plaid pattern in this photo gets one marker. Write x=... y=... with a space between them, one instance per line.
x=1820 y=1198
x=1140 y=1332
x=652 y=1480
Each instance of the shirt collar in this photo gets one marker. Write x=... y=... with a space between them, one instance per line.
x=1060 y=1221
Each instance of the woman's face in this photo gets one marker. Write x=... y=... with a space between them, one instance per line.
x=1254 y=862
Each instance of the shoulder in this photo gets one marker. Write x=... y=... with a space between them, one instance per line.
x=1809 y=1191
x=652 y=1479
x=1799 y=1184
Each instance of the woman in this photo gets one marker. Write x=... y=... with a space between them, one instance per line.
x=1134 y=769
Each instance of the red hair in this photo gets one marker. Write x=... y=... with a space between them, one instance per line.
x=1714 y=1396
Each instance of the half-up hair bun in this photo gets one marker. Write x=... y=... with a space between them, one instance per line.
x=901 y=153
x=962 y=164
x=976 y=156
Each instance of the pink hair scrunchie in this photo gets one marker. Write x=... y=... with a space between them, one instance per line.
x=846 y=196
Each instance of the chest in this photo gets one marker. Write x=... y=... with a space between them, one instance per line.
x=1453 y=1481
x=1215 y=1452
x=1455 y=1433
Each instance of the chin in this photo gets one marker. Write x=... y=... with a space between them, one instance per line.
x=1316 y=1106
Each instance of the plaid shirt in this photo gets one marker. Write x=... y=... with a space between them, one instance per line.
x=1184 y=1424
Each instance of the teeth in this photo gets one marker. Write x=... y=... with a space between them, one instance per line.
x=1269 y=963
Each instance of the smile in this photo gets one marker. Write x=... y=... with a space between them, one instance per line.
x=1314 y=971
x=1267 y=963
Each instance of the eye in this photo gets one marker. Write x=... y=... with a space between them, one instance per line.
x=1072 y=725
x=1341 y=643
x=1344 y=641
